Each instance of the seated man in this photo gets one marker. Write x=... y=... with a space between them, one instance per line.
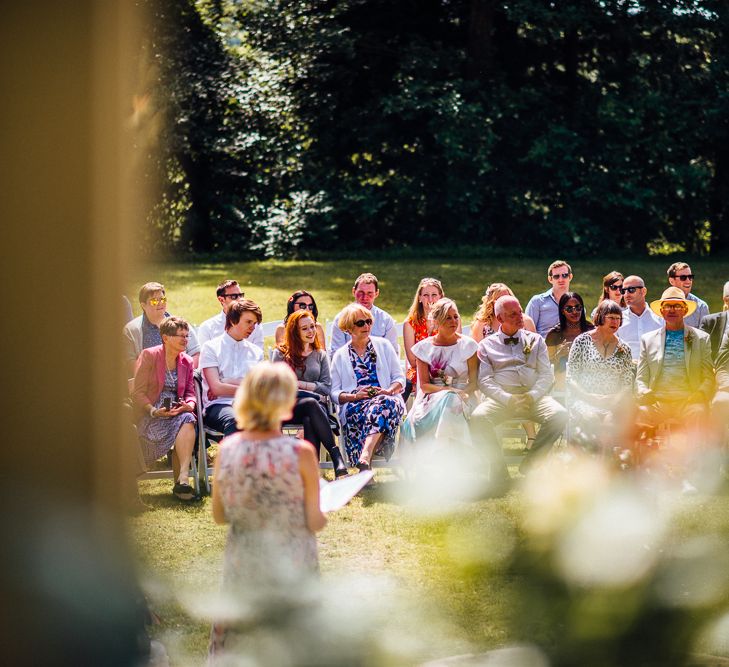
x=543 y=308
x=227 y=292
x=680 y=276
x=638 y=319
x=225 y=360
x=143 y=331
x=675 y=377
x=365 y=292
x=717 y=326
x=515 y=376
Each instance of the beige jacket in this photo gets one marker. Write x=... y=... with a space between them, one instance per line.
x=697 y=351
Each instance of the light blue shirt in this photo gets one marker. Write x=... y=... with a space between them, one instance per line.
x=544 y=310
x=702 y=310
x=382 y=325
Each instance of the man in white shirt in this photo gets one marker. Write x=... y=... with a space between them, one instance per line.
x=680 y=275
x=515 y=376
x=638 y=319
x=228 y=292
x=543 y=308
x=225 y=360
x=365 y=291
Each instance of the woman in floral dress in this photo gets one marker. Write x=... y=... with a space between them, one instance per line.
x=367 y=383
x=267 y=489
x=447 y=379
x=600 y=376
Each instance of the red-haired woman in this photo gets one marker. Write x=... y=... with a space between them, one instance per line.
x=302 y=350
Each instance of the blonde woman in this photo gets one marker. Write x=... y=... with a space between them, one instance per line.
x=484 y=320
x=267 y=489
x=418 y=326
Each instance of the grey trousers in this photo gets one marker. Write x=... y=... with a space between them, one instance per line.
x=547 y=412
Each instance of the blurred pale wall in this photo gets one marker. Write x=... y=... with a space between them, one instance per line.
x=66 y=212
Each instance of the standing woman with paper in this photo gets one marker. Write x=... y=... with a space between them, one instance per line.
x=266 y=486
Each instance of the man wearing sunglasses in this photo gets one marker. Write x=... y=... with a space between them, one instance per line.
x=543 y=308
x=365 y=291
x=680 y=275
x=143 y=331
x=638 y=319
x=227 y=293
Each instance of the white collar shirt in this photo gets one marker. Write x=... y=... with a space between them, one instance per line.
x=634 y=326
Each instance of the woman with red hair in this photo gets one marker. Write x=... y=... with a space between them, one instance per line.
x=302 y=350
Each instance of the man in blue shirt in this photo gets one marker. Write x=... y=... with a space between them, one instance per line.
x=543 y=308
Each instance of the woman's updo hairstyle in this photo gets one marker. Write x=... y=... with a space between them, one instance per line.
x=265 y=397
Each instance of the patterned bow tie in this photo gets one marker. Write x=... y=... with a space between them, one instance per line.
x=511 y=340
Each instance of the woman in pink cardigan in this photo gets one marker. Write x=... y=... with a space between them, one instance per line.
x=164 y=400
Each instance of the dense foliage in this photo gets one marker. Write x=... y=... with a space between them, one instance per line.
x=580 y=125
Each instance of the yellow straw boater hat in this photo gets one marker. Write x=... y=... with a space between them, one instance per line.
x=673 y=294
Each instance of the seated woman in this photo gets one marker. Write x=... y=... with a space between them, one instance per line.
x=600 y=375
x=366 y=383
x=303 y=352
x=418 y=326
x=164 y=400
x=611 y=285
x=267 y=489
x=447 y=379
x=572 y=323
x=484 y=320
x=299 y=301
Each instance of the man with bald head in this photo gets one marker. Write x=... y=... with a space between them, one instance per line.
x=638 y=319
x=515 y=376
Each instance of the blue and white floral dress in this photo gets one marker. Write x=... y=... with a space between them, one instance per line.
x=379 y=414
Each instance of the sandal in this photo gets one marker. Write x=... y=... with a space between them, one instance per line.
x=183 y=491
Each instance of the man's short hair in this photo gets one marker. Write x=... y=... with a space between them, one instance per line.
x=606 y=307
x=675 y=268
x=171 y=325
x=236 y=310
x=725 y=293
x=350 y=314
x=367 y=279
x=220 y=291
x=555 y=264
x=148 y=289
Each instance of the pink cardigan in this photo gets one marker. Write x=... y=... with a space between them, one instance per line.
x=149 y=378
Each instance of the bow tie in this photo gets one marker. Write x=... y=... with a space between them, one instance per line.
x=511 y=340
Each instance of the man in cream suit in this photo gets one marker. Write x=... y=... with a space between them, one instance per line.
x=675 y=377
x=717 y=326
x=515 y=376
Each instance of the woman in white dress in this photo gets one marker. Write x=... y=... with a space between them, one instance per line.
x=447 y=380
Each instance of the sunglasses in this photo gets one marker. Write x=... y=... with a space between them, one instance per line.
x=302 y=306
x=615 y=288
x=560 y=275
x=572 y=309
x=688 y=276
x=361 y=323
x=631 y=290
x=673 y=307
x=156 y=302
x=235 y=297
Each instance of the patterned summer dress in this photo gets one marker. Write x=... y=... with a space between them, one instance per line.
x=380 y=414
x=443 y=414
x=158 y=434
x=270 y=554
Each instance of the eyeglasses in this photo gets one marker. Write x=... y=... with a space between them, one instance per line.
x=235 y=297
x=301 y=305
x=615 y=288
x=361 y=323
x=560 y=275
x=631 y=290
x=613 y=318
x=185 y=336
x=156 y=302
x=688 y=276
x=673 y=307
x=573 y=309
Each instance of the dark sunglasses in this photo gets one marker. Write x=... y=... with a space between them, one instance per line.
x=688 y=276
x=235 y=297
x=361 y=323
x=302 y=305
x=573 y=309
x=631 y=290
x=560 y=275
x=615 y=288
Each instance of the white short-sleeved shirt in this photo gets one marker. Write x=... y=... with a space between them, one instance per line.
x=233 y=359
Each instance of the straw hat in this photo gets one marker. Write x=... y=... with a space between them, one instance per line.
x=673 y=294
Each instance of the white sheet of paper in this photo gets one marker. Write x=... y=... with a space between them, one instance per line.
x=335 y=495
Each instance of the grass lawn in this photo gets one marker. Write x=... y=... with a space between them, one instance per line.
x=441 y=585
